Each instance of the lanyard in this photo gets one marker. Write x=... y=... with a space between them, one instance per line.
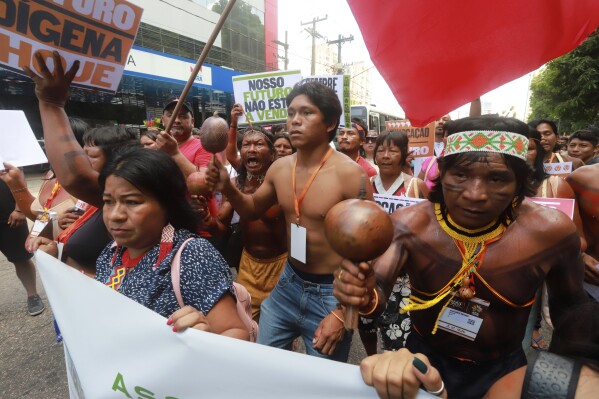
x=53 y=194
x=298 y=201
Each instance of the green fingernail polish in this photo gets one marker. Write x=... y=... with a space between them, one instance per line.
x=420 y=366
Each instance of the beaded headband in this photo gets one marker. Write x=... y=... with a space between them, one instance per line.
x=359 y=129
x=508 y=143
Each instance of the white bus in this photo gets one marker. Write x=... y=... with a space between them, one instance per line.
x=373 y=117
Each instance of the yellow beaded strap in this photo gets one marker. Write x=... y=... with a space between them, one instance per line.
x=472 y=246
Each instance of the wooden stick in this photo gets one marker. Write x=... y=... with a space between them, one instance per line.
x=196 y=69
x=246 y=118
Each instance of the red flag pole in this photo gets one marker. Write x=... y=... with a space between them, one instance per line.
x=203 y=55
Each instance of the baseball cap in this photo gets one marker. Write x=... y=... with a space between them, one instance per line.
x=173 y=102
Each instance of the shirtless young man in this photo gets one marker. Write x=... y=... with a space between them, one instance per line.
x=511 y=246
x=585 y=183
x=302 y=303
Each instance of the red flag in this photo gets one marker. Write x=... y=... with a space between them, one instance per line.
x=437 y=55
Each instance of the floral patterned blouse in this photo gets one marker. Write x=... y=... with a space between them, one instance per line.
x=205 y=276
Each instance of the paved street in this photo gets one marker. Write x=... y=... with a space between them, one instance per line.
x=32 y=364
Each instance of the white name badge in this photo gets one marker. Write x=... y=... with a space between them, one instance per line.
x=298 y=243
x=81 y=205
x=38 y=226
x=40 y=223
x=559 y=168
x=463 y=317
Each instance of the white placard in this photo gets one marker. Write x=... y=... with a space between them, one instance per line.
x=18 y=145
x=263 y=95
x=340 y=85
x=391 y=203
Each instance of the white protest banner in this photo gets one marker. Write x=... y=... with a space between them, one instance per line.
x=340 y=85
x=263 y=95
x=391 y=203
x=18 y=145
x=97 y=33
x=120 y=349
x=566 y=205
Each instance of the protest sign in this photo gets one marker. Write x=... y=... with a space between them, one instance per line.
x=263 y=95
x=566 y=205
x=391 y=203
x=339 y=84
x=97 y=33
x=421 y=139
x=117 y=348
x=18 y=145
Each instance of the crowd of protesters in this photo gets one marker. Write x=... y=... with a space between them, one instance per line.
x=457 y=299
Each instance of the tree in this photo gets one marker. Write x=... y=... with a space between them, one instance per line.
x=567 y=89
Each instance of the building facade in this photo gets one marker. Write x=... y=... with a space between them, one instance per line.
x=170 y=39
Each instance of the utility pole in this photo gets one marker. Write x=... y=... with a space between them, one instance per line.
x=314 y=34
x=340 y=42
x=286 y=47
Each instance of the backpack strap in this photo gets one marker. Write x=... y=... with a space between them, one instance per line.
x=413 y=187
x=176 y=273
x=428 y=167
x=243 y=298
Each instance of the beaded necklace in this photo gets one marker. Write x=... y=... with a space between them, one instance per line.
x=251 y=177
x=472 y=244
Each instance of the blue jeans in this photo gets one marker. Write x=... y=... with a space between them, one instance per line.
x=294 y=308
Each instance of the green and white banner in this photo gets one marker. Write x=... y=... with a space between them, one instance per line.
x=117 y=348
x=263 y=95
x=339 y=84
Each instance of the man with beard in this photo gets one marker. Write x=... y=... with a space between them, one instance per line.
x=264 y=239
x=350 y=140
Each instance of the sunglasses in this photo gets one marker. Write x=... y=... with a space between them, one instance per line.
x=370 y=140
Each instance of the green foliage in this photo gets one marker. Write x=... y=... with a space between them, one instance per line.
x=567 y=89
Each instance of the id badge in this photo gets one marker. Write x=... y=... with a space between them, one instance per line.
x=298 y=243
x=40 y=226
x=463 y=317
x=42 y=220
x=81 y=206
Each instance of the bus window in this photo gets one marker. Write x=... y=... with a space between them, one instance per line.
x=382 y=123
x=359 y=112
x=374 y=122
